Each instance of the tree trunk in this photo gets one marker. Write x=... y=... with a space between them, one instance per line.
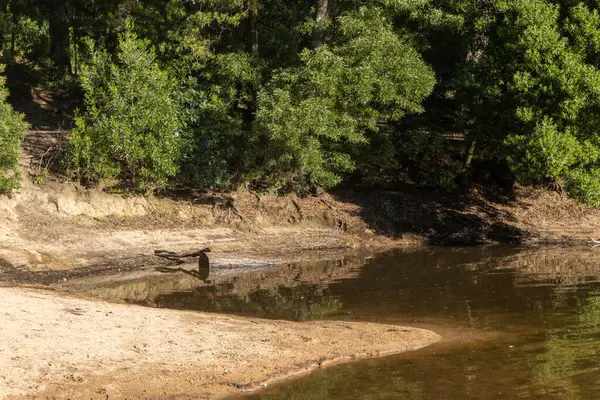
x=476 y=50
x=318 y=36
x=253 y=20
x=75 y=58
x=253 y=47
x=470 y=153
x=75 y=50
x=59 y=40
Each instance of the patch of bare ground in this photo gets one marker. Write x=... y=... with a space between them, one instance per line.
x=552 y=217
x=58 y=347
x=526 y=215
x=61 y=226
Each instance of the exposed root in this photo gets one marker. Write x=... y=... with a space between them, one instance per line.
x=298 y=208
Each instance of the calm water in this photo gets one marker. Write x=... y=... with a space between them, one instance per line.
x=517 y=323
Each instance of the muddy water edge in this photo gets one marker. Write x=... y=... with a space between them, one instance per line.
x=517 y=323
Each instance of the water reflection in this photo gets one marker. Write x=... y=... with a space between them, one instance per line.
x=295 y=291
x=202 y=273
x=572 y=349
x=544 y=303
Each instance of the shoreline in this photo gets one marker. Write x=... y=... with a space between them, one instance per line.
x=311 y=366
x=100 y=348
x=62 y=226
x=57 y=234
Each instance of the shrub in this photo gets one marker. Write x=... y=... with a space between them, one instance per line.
x=130 y=129
x=547 y=153
x=12 y=129
x=431 y=161
x=311 y=119
x=541 y=65
x=584 y=185
x=213 y=108
x=32 y=39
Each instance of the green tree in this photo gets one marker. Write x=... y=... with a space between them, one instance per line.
x=537 y=89
x=131 y=128
x=12 y=129
x=215 y=59
x=312 y=118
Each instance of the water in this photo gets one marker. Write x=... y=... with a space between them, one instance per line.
x=516 y=323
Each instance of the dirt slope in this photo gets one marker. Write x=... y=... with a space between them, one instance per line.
x=64 y=226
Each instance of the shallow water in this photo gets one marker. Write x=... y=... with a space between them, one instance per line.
x=517 y=323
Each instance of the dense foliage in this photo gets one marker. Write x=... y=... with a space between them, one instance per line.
x=12 y=129
x=312 y=117
x=130 y=129
x=543 y=62
x=294 y=96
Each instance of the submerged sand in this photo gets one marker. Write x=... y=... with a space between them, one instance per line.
x=63 y=347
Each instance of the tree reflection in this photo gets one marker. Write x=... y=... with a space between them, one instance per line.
x=573 y=349
x=301 y=303
x=350 y=383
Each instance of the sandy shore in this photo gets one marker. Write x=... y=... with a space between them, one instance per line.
x=61 y=347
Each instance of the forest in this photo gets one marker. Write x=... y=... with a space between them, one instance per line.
x=302 y=96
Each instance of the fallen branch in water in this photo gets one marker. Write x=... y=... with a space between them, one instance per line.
x=203 y=262
x=177 y=257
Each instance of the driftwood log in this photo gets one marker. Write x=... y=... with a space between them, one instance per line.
x=177 y=257
x=203 y=262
